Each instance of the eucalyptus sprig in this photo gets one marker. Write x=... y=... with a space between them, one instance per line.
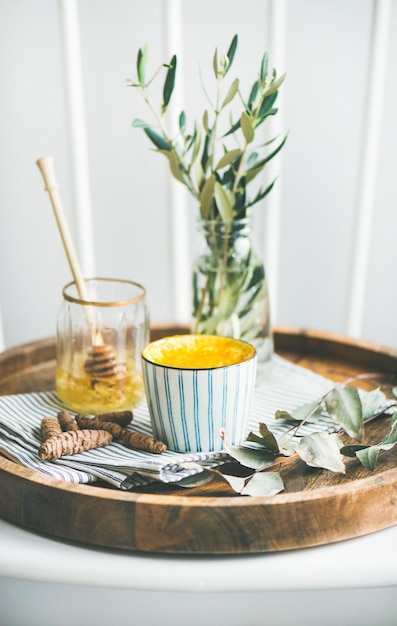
x=349 y=410
x=215 y=164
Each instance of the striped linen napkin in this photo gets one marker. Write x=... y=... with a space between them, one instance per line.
x=286 y=387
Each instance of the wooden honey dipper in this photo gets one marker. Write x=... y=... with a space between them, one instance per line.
x=102 y=362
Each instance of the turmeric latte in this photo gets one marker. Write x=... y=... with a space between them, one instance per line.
x=198 y=351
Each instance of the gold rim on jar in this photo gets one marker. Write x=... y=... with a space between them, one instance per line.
x=77 y=300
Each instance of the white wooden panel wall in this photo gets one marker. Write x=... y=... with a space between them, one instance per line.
x=326 y=232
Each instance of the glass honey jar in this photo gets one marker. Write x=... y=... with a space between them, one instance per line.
x=99 y=342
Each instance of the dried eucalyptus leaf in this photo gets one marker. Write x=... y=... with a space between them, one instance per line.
x=309 y=412
x=287 y=448
x=280 y=414
x=321 y=450
x=253 y=458
x=344 y=406
x=372 y=402
x=236 y=482
x=369 y=455
x=266 y=439
x=197 y=480
x=263 y=484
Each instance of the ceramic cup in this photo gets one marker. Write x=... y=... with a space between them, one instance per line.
x=195 y=386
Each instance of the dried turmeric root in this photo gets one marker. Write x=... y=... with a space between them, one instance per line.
x=73 y=442
x=66 y=421
x=119 y=417
x=50 y=427
x=143 y=442
x=94 y=422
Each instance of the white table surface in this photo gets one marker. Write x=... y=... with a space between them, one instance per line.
x=350 y=582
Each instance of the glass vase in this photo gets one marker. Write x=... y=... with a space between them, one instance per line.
x=230 y=293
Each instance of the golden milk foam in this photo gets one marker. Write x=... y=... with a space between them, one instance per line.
x=198 y=351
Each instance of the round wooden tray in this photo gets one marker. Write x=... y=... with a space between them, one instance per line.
x=317 y=507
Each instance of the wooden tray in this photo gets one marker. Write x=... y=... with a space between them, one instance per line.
x=319 y=506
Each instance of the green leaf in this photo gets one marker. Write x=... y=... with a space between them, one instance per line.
x=252 y=172
x=351 y=449
x=141 y=64
x=253 y=94
x=169 y=83
x=266 y=438
x=246 y=127
x=174 y=166
x=205 y=122
x=196 y=142
x=223 y=202
x=228 y=158
x=264 y=66
x=231 y=52
x=262 y=193
x=233 y=129
x=344 y=406
x=263 y=484
x=233 y=89
x=321 y=450
x=158 y=141
x=207 y=196
x=182 y=121
x=267 y=104
x=137 y=123
x=215 y=63
x=275 y=85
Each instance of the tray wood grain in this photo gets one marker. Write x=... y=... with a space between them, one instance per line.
x=317 y=506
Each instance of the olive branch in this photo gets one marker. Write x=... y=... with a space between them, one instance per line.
x=216 y=167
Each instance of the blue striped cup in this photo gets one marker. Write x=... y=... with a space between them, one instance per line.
x=197 y=385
